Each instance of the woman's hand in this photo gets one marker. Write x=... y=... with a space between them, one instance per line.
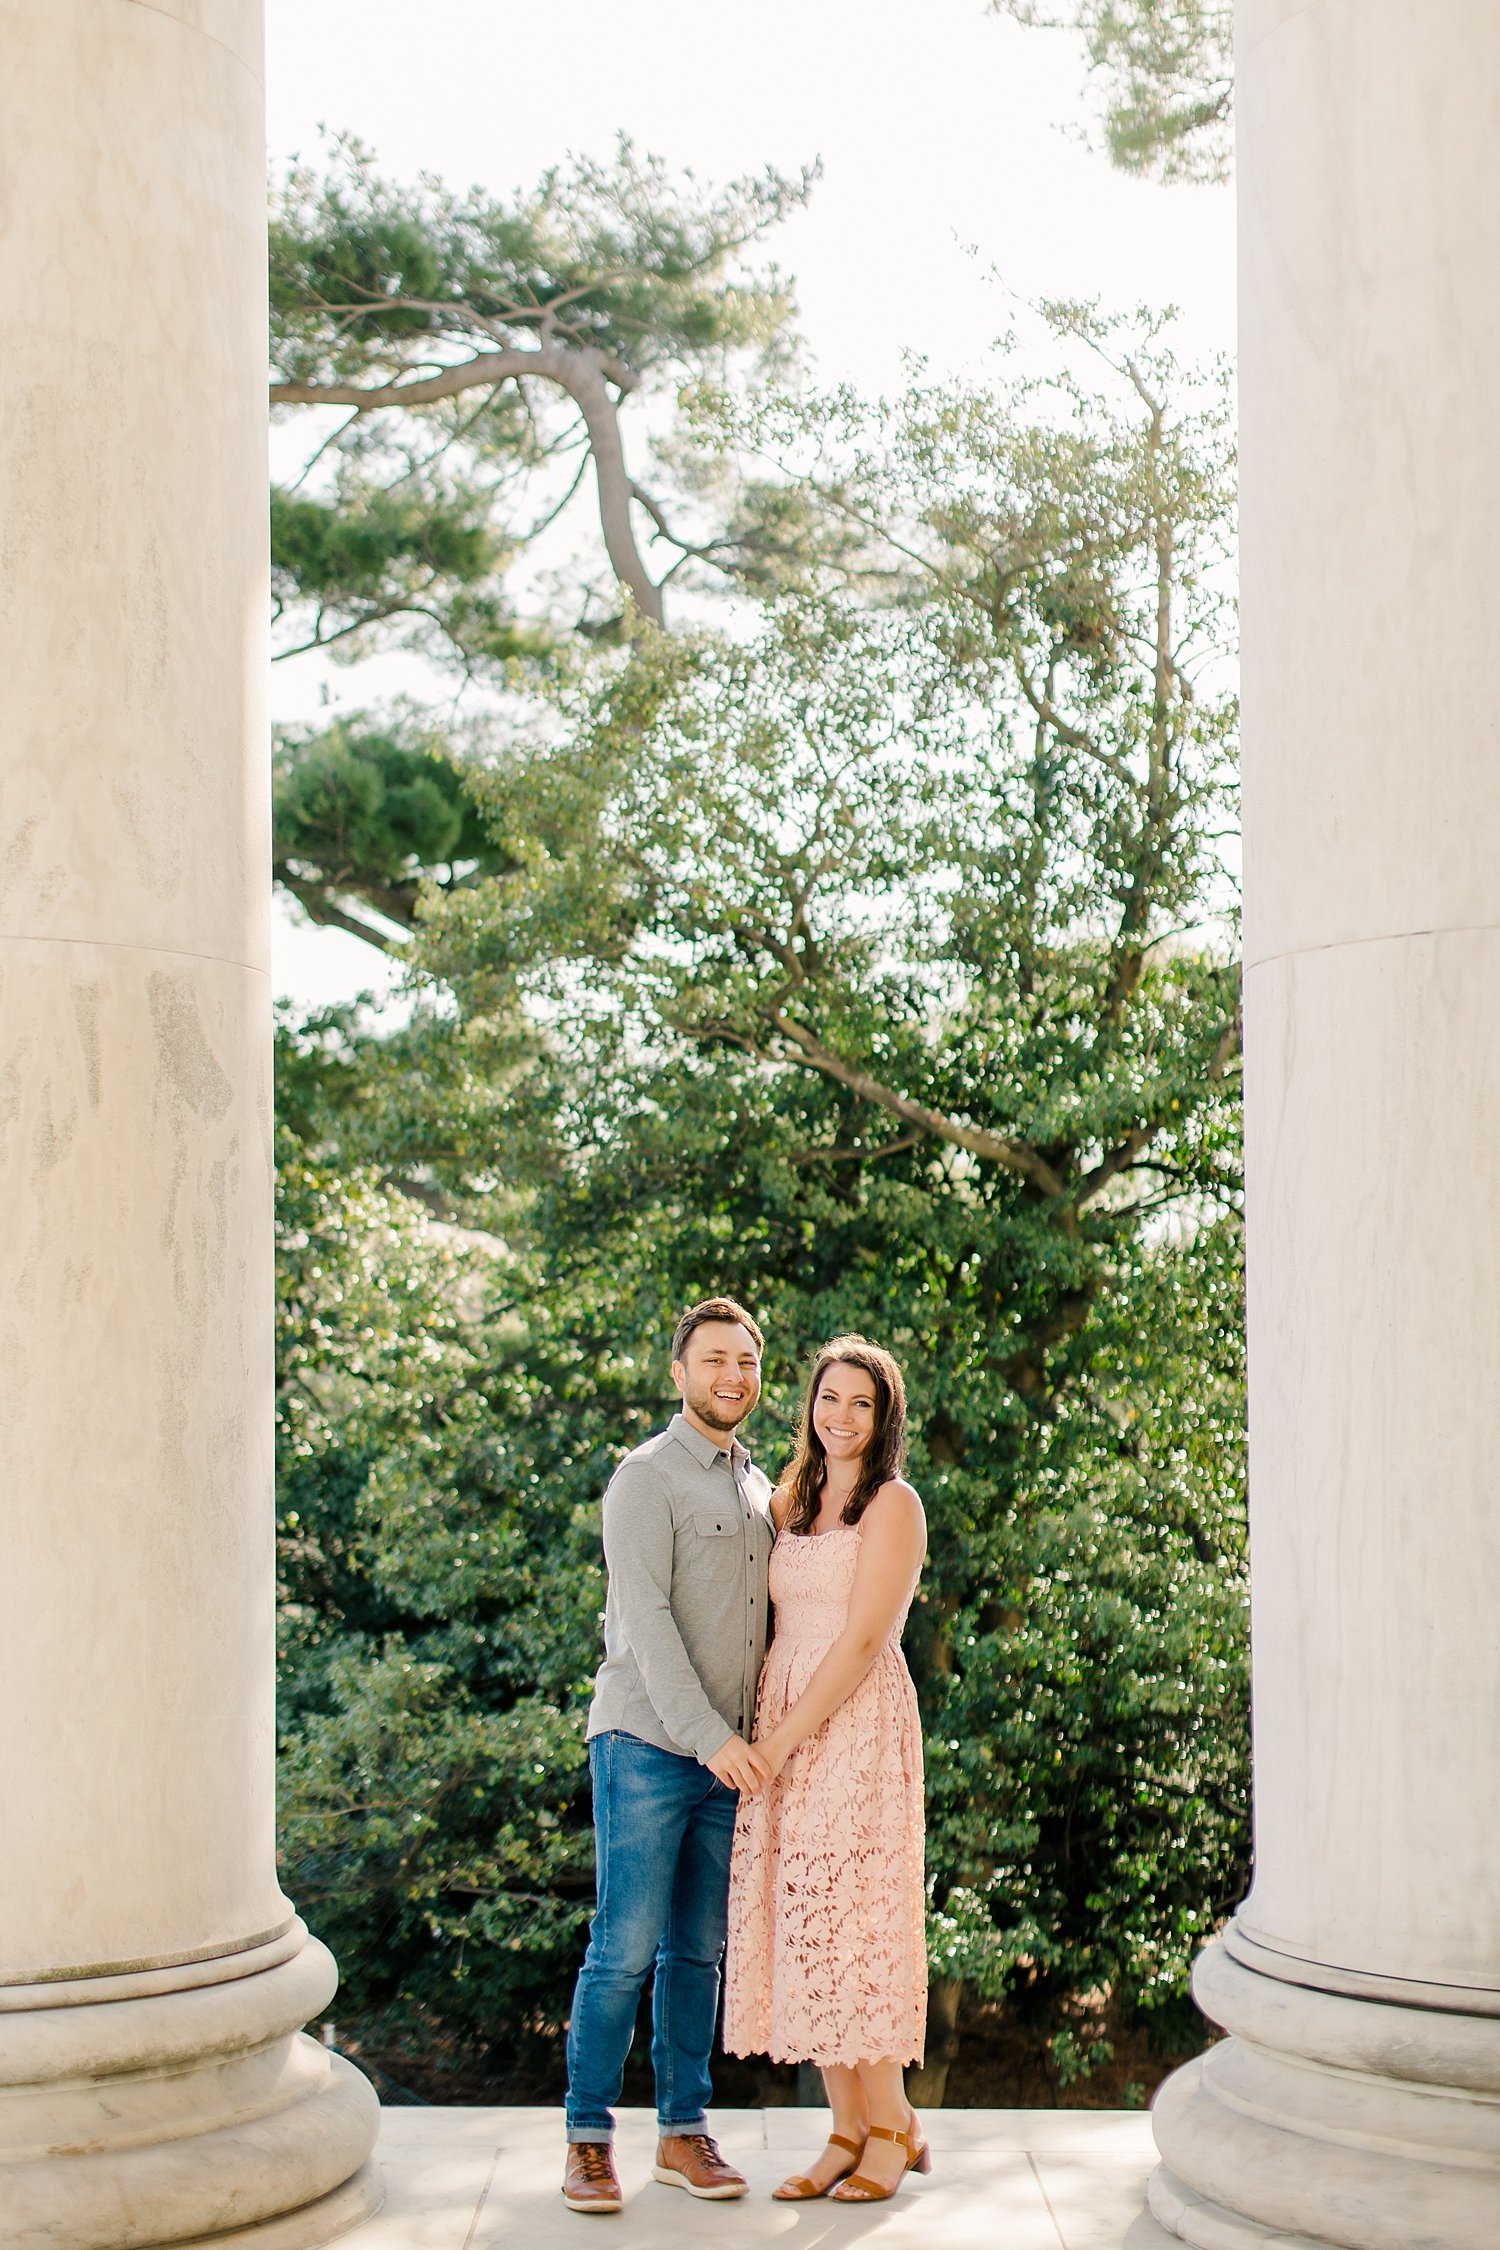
x=775 y=1749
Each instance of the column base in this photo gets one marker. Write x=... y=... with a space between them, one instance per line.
x=316 y=2223
x=182 y=2117
x=1330 y=2120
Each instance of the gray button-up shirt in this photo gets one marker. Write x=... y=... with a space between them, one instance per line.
x=687 y=1537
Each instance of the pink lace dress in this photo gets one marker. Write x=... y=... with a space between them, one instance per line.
x=827 y=1956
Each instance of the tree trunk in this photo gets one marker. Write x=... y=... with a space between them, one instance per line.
x=927 y=2087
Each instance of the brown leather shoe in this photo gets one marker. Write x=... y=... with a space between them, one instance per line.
x=590 y=2182
x=691 y=2161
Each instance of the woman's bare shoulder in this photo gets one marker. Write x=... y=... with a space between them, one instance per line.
x=897 y=1501
x=781 y=1506
x=904 y=1493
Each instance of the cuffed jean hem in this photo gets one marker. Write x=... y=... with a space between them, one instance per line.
x=603 y=2135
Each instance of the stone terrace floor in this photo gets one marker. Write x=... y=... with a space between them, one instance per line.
x=476 y=2179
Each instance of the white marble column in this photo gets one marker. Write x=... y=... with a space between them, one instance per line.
x=154 y=2084
x=1357 y=2101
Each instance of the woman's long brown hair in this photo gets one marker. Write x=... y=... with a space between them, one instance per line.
x=885 y=1455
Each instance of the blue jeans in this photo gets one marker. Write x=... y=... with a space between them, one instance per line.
x=663 y=1827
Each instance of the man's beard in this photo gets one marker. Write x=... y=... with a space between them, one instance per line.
x=717 y=1415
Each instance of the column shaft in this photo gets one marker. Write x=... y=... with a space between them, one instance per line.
x=1357 y=2102
x=141 y=1924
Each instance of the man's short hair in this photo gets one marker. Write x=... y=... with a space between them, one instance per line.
x=713 y=1308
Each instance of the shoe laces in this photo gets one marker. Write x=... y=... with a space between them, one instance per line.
x=593 y=2159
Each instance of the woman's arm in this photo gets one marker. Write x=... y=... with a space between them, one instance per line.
x=893 y=1540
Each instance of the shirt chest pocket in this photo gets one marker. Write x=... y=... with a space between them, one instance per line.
x=709 y=1541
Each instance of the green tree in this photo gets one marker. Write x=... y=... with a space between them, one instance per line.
x=855 y=960
x=940 y=854
x=1079 y=1644
x=1168 y=71
x=481 y=354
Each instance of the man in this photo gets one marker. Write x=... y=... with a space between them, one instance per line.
x=687 y=1538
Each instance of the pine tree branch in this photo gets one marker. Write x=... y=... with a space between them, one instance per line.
x=586 y=376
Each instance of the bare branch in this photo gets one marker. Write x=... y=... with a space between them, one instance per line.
x=996 y=1148
x=688 y=547
x=1075 y=737
x=332 y=439
x=545 y=522
x=454 y=437
x=1094 y=1182
x=855 y=1155
x=424 y=390
x=322 y=910
x=587 y=386
x=375 y=613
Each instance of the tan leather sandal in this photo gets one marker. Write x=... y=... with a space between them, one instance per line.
x=800 y=2189
x=860 y=2188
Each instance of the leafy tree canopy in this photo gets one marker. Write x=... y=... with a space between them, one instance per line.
x=941 y=854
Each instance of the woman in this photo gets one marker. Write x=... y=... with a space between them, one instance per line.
x=827 y=1957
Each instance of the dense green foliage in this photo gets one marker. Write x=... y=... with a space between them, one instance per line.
x=435 y=1620
x=867 y=958
x=1078 y=1648
x=368 y=812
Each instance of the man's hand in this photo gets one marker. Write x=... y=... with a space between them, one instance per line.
x=739 y=1765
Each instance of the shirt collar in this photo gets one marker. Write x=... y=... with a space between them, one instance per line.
x=704 y=1450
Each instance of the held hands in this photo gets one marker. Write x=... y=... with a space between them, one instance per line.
x=741 y=1765
x=773 y=1750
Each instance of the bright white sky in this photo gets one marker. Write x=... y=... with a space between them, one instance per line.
x=952 y=149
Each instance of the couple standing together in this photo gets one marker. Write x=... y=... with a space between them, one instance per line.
x=776 y=1799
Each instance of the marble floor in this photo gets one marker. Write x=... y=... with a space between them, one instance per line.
x=477 y=2179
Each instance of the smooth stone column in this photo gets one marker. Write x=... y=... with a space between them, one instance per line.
x=1357 y=2101
x=154 y=2084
